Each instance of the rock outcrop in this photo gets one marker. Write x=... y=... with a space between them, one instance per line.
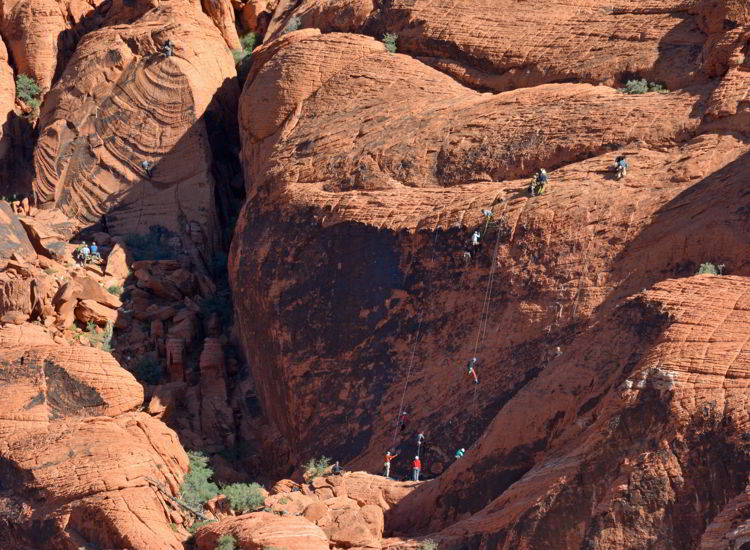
x=332 y=511
x=13 y=238
x=599 y=456
x=76 y=460
x=356 y=280
x=7 y=104
x=336 y=157
x=144 y=108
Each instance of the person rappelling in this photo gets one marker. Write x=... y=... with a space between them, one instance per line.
x=403 y=420
x=420 y=440
x=475 y=238
x=538 y=183
x=472 y=364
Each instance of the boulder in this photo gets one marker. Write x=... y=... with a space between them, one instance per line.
x=14 y=317
x=117 y=264
x=91 y=311
x=262 y=530
x=45 y=239
x=12 y=335
x=13 y=238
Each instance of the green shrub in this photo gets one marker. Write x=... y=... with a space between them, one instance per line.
x=150 y=246
x=292 y=25
x=249 y=41
x=50 y=271
x=101 y=339
x=428 y=544
x=196 y=488
x=390 y=39
x=27 y=90
x=115 y=289
x=710 y=269
x=642 y=86
x=226 y=542
x=148 y=370
x=315 y=468
x=243 y=496
x=197 y=525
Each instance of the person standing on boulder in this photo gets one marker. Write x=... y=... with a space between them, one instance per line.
x=85 y=251
x=416 y=467
x=388 y=457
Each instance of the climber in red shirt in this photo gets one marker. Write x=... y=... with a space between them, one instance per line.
x=416 y=467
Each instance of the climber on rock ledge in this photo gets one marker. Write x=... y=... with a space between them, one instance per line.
x=387 y=466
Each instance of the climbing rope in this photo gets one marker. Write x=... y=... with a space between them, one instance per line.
x=485 y=315
x=413 y=353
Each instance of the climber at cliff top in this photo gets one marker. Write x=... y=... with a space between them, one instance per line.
x=539 y=182
x=621 y=166
x=460 y=453
x=167 y=48
x=147 y=167
x=472 y=369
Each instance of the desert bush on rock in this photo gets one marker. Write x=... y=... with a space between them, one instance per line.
x=710 y=269
x=115 y=289
x=428 y=544
x=642 y=86
x=315 y=468
x=27 y=90
x=243 y=496
x=197 y=489
x=243 y=58
x=226 y=542
x=101 y=339
x=390 y=39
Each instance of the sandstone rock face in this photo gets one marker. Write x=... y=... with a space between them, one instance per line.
x=7 y=103
x=76 y=459
x=91 y=148
x=32 y=29
x=309 y=159
x=367 y=173
x=261 y=529
x=504 y=45
x=13 y=238
x=588 y=444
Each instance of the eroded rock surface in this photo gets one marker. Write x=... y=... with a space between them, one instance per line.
x=143 y=107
